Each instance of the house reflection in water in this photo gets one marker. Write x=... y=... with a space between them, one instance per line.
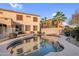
x=24 y=46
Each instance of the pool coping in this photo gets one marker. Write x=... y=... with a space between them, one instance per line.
x=69 y=49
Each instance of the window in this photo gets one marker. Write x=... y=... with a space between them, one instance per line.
x=1 y=12
x=27 y=27
x=35 y=27
x=19 y=51
x=35 y=38
x=6 y=18
x=35 y=47
x=35 y=19
x=19 y=17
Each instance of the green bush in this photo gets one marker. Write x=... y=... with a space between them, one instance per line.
x=67 y=30
x=12 y=35
x=21 y=32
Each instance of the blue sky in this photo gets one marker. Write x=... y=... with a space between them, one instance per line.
x=43 y=9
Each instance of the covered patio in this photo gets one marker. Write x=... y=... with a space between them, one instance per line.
x=3 y=30
x=17 y=27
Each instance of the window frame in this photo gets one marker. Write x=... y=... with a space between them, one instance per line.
x=27 y=27
x=19 y=17
x=35 y=19
x=1 y=12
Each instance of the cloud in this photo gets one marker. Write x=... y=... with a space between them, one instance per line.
x=53 y=14
x=16 y=5
x=65 y=23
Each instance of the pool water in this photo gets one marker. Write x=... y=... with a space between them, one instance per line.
x=44 y=49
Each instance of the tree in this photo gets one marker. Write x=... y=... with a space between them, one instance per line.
x=45 y=18
x=43 y=21
x=59 y=17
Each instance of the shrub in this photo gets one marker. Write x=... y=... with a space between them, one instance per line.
x=12 y=35
x=67 y=31
x=77 y=33
x=21 y=32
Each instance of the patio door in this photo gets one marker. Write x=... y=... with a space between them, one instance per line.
x=18 y=28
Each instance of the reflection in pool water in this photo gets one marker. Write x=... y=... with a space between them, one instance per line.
x=33 y=47
x=44 y=49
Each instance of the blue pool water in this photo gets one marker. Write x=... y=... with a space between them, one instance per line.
x=44 y=49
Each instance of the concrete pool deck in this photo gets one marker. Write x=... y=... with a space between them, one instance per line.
x=69 y=49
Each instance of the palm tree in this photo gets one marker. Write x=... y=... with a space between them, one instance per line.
x=59 y=17
x=45 y=18
x=43 y=21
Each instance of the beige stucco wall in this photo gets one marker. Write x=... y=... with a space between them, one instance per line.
x=3 y=21
x=7 y=22
x=30 y=22
x=51 y=30
x=25 y=21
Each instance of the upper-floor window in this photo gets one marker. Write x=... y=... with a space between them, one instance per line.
x=35 y=19
x=27 y=27
x=1 y=12
x=19 y=17
x=6 y=18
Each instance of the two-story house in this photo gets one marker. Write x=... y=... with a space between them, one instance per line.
x=13 y=21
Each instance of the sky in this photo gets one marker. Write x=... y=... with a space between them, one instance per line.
x=43 y=9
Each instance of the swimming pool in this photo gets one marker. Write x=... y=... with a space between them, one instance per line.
x=33 y=47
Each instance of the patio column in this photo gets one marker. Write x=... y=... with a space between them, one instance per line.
x=3 y=31
x=9 y=29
